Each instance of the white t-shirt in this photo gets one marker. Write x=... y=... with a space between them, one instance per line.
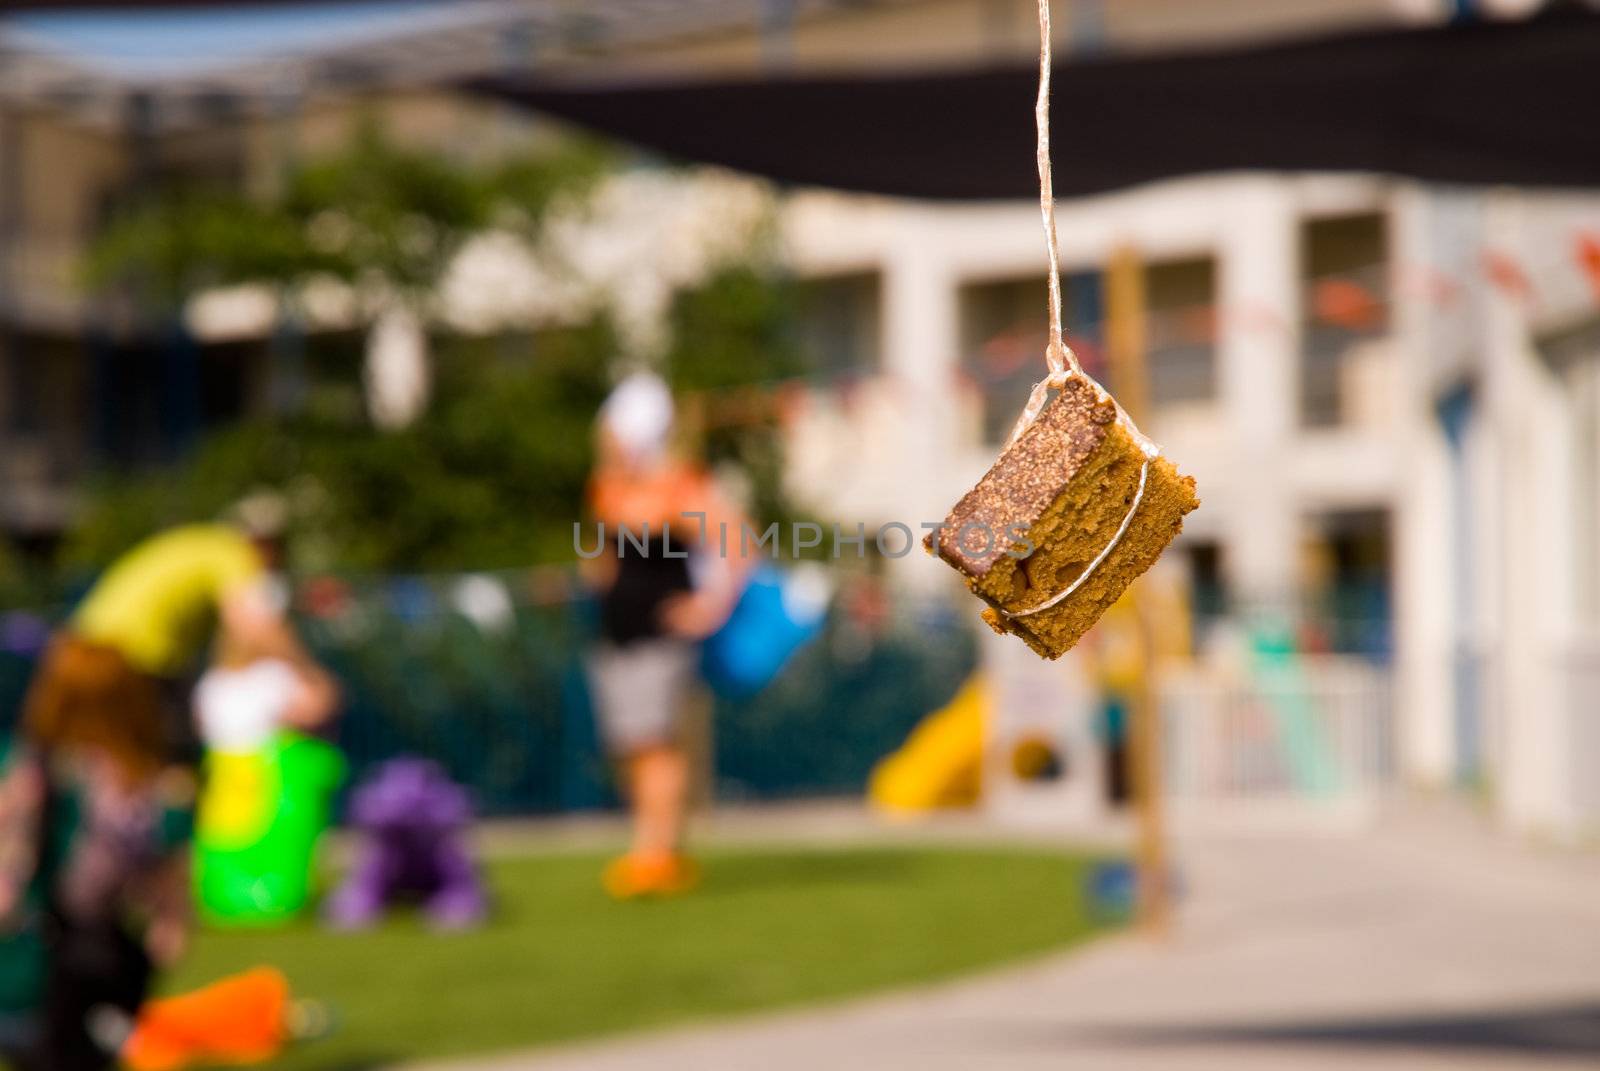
x=239 y=709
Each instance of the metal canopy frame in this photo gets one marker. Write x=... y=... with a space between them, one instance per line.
x=382 y=44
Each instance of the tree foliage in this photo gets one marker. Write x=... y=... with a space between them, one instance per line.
x=735 y=333
x=373 y=213
x=492 y=475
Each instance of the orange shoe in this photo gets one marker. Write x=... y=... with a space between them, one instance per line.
x=633 y=877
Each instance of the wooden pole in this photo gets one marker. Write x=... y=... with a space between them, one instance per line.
x=1129 y=381
x=1125 y=332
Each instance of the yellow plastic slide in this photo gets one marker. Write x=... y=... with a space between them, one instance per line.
x=941 y=762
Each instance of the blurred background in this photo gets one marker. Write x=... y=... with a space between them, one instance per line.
x=360 y=253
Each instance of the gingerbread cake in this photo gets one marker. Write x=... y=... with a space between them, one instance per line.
x=1070 y=483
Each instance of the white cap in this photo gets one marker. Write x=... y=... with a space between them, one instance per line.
x=261 y=514
x=638 y=415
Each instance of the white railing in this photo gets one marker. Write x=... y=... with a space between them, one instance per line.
x=1304 y=738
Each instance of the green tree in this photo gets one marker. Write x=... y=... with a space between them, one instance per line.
x=492 y=475
x=375 y=214
x=733 y=336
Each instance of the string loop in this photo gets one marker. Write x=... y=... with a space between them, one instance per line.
x=1122 y=530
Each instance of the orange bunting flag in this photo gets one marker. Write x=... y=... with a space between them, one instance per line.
x=1428 y=282
x=1589 y=259
x=1506 y=274
x=1346 y=303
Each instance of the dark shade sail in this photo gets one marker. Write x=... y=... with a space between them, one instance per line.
x=8 y=7
x=1515 y=103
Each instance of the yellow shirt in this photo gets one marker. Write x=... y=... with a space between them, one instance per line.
x=158 y=602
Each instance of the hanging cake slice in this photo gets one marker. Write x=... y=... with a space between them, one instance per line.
x=1074 y=510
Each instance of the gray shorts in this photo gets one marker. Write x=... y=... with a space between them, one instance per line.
x=639 y=692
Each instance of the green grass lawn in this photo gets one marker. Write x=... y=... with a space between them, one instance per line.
x=560 y=961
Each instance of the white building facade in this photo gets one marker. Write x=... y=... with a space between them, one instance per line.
x=1500 y=622
x=1451 y=420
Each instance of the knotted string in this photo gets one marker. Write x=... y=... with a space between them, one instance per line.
x=1062 y=362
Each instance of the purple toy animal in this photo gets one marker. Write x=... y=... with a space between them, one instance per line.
x=413 y=818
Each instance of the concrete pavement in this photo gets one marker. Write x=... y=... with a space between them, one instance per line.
x=1428 y=942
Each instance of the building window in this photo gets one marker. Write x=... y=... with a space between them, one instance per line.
x=21 y=399
x=839 y=324
x=1346 y=583
x=47 y=385
x=1004 y=327
x=1207 y=586
x=1180 y=298
x=1344 y=271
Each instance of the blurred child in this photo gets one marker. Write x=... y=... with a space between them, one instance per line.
x=268 y=784
x=241 y=702
x=95 y=815
x=653 y=609
x=159 y=607
x=94 y=881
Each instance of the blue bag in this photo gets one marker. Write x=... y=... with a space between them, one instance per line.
x=777 y=614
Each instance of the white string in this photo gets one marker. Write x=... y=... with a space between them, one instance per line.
x=1062 y=362
x=1057 y=354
